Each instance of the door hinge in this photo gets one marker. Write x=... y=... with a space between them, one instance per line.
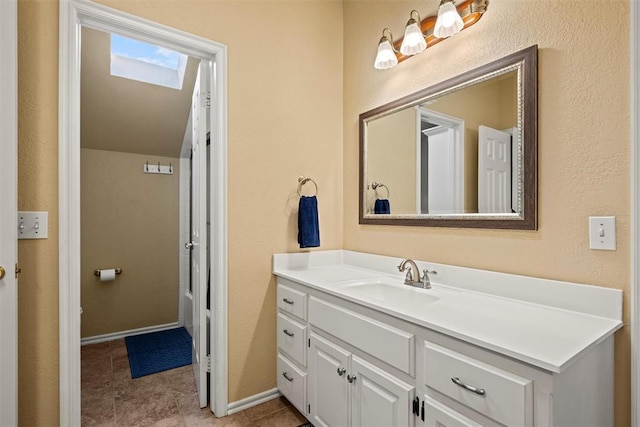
x=308 y=409
x=18 y=270
x=309 y=343
x=208 y=363
x=206 y=99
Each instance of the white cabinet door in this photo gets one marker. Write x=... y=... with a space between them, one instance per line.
x=440 y=415
x=328 y=386
x=378 y=398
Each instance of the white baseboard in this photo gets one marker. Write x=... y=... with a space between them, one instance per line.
x=251 y=401
x=117 y=335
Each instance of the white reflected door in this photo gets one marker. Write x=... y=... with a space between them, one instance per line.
x=8 y=215
x=199 y=235
x=494 y=171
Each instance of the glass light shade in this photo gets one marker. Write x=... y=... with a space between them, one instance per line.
x=413 y=41
x=386 y=57
x=449 y=21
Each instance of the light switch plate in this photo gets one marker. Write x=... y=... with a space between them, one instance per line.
x=33 y=225
x=602 y=233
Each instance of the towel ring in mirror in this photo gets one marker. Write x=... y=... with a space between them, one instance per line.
x=376 y=185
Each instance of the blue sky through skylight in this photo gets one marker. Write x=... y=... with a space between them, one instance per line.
x=144 y=52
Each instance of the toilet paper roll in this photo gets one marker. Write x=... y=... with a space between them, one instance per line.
x=107 y=275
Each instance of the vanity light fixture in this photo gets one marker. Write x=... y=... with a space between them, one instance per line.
x=413 y=42
x=420 y=34
x=449 y=21
x=386 y=57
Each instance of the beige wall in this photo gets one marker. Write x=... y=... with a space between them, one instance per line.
x=583 y=140
x=285 y=120
x=391 y=160
x=130 y=220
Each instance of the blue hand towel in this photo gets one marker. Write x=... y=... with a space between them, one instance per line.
x=382 y=207
x=308 y=228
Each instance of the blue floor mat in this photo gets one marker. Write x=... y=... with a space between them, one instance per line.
x=158 y=351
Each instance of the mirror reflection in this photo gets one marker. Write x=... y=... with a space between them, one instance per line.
x=451 y=154
x=461 y=153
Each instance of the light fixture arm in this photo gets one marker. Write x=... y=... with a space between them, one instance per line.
x=390 y=38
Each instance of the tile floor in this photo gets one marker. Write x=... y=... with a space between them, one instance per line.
x=111 y=398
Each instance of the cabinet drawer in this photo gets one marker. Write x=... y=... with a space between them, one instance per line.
x=292 y=301
x=437 y=414
x=292 y=338
x=292 y=383
x=384 y=342
x=498 y=394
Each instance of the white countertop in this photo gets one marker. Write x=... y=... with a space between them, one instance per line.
x=545 y=330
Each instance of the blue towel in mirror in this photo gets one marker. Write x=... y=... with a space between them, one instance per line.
x=381 y=207
x=308 y=228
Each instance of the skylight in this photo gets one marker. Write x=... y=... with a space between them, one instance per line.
x=147 y=63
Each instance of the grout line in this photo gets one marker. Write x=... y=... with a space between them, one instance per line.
x=113 y=383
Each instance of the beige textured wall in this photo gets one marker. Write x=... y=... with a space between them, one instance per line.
x=130 y=220
x=391 y=154
x=285 y=120
x=583 y=140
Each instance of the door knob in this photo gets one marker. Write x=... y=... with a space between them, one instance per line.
x=2 y=273
x=351 y=378
x=189 y=245
x=341 y=371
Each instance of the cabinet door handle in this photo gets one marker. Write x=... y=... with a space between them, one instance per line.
x=478 y=391
x=288 y=333
x=284 y=374
x=288 y=301
x=341 y=371
x=351 y=378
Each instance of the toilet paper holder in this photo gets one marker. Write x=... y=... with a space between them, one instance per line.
x=118 y=271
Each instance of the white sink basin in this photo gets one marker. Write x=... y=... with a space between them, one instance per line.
x=389 y=290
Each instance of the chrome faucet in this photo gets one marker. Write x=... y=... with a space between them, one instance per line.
x=411 y=279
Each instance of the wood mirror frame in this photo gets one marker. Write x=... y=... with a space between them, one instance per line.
x=526 y=63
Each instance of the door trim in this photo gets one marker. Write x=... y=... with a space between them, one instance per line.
x=634 y=60
x=73 y=15
x=8 y=208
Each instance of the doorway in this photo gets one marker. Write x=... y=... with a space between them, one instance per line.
x=8 y=214
x=73 y=16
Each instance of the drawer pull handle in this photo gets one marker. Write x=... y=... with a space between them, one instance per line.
x=341 y=371
x=288 y=301
x=478 y=391
x=284 y=374
x=351 y=378
x=288 y=333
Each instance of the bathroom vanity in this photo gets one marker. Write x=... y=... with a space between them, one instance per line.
x=357 y=347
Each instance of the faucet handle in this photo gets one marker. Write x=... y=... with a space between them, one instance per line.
x=427 y=271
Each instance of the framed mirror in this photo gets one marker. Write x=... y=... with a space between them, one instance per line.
x=461 y=153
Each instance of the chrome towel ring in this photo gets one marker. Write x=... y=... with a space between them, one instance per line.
x=375 y=185
x=302 y=180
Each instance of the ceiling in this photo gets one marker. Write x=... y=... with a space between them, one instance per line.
x=129 y=116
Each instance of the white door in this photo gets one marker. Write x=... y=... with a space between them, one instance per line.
x=379 y=399
x=441 y=172
x=328 y=386
x=494 y=171
x=8 y=214
x=198 y=243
